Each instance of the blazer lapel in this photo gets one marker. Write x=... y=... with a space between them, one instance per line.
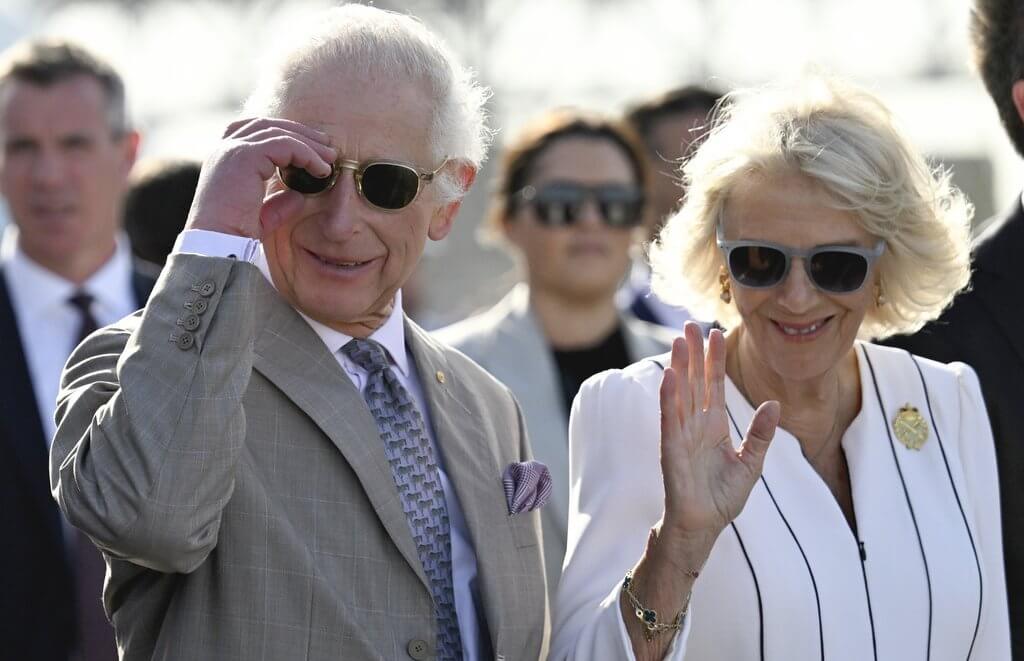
x=293 y=357
x=471 y=465
x=23 y=428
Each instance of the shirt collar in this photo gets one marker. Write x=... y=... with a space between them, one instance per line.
x=38 y=288
x=390 y=334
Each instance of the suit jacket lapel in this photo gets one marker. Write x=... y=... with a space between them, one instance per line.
x=470 y=463
x=292 y=356
x=24 y=435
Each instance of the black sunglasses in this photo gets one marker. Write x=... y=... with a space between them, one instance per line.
x=385 y=185
x=561 y=204
x=833 y=269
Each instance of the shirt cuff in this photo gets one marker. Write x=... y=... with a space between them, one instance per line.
x=216 y=244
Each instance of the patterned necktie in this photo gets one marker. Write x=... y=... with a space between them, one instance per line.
x=414 y=468
x=95 y=635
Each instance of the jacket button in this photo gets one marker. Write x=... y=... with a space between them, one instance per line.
x=199 y=306
x=419 y=649
x=190 y=322
x=206 y=288
x=185 y=341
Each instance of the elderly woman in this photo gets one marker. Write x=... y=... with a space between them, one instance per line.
x=858 y=515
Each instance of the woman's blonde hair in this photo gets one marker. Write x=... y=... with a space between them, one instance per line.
x=845 y=140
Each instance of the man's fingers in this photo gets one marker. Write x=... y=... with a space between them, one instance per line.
x=285 y=150
x=715 y=369
x=326 y=152
x=247 y=127
x=759 y=435
x=695 y=341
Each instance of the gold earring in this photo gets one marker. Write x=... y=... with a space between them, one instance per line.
x=723 y=281
x=879 y=295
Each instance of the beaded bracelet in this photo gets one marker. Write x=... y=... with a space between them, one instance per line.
x=648 y=616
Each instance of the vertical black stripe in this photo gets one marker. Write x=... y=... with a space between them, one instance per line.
x=814 y=583
x=757 y=589
x=906 y=494
x=956 y=494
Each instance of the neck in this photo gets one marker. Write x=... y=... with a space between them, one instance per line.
x=570 y=323
x=77 y=268
x=816 y=410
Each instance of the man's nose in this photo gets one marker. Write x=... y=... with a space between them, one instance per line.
x=47 y=168
x=797 y=293
x=341 y=219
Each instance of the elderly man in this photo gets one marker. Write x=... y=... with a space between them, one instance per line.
x=275 y=461
x=66 y=154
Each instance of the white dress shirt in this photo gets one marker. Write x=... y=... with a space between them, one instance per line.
x=390 y=335
x=788 y=581
x=48 y=324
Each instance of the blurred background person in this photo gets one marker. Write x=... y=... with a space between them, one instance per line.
x=569 y=203
x=985 y=326
x=156 y=206
x=65 y=269
x=671 y=125
x=869 y=527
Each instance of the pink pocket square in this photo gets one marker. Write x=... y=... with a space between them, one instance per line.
x=527 y=486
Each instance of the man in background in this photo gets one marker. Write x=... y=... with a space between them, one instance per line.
x=984 y=326
x=66 y=153
x=671 y=126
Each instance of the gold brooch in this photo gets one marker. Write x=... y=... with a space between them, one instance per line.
x=910 y=427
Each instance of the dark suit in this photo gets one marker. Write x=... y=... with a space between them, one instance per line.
x=985 y=329
x=37 y=607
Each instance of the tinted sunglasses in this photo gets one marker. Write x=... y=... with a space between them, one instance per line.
x=385 y=185
x=561 y=204
x=833 y=269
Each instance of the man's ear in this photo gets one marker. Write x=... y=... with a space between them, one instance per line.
x=444 y=217
x=1017 y=92
x=129 y=150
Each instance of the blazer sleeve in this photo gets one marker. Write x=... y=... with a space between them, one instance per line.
x=977 y=455
x=150 y=426
x=616 y=496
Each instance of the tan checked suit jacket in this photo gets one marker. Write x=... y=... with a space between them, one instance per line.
x=235 y=479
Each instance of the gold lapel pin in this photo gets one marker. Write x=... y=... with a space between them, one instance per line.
x=910 y=427
x=440 y=376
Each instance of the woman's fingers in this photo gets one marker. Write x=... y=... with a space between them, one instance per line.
x=670 y=419
x=759 y=435
x=695 y=342
x=715 y=370
x=680 y=363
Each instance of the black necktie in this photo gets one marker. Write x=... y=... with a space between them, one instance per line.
x=82 y=301
x=95 y=635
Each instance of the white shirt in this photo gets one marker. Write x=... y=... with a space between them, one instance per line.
x=48 y=324
x=390 y=335
x=788 y=581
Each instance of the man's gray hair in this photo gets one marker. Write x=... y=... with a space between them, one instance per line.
x=46 y=62
x=388 y=46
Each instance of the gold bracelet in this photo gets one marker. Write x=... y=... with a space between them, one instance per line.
x=648 y=616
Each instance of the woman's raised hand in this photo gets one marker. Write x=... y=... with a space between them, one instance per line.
x=707 y=481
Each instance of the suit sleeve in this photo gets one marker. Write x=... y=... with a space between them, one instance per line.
x=616 y=496
x=150 y=422
x=977 y=454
